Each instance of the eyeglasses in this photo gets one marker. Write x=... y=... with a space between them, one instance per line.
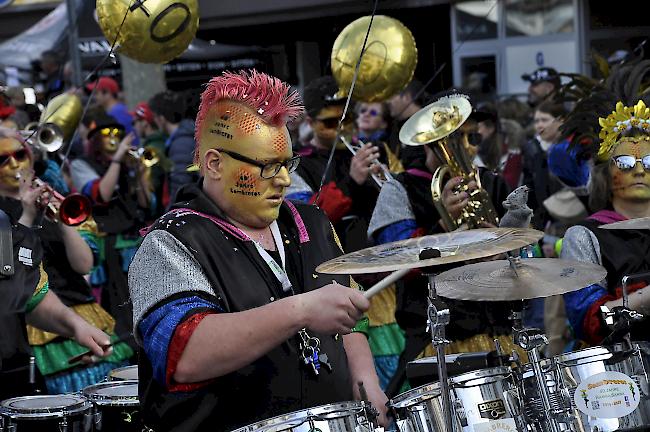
x=373 y=112
x=627 y=162
x=112 y=132
x=329 y=122
x=267 y=170
x=18 y=155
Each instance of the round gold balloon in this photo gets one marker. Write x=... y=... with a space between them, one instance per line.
x=388 y=62
x=154 y=31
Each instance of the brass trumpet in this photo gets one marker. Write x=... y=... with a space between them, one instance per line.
x=148 y=156
x=382 y=176
x=433 y=124
x=71 y=210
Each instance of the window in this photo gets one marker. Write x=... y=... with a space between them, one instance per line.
x=476 y=20
x=539 y=17
x=479 y=77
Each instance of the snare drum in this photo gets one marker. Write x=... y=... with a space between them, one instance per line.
x=477 y=398
x=612 y=387
x=124 y=373
x=64 y=413
x=115 y=405
x=337 y=417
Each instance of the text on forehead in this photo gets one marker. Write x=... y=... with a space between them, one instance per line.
x=221 y=133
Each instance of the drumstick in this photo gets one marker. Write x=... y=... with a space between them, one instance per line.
x=78 y=358
x=385 y=282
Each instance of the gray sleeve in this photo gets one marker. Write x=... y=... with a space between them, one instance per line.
x=82 y=173
x=580 y=244
x=392 y=206
x=161 y=268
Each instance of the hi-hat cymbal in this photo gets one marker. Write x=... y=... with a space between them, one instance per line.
x=534 y=278
x=453 y=247
x=638 y=224
x=436 y=120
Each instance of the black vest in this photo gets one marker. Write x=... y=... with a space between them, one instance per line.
x=278 y=382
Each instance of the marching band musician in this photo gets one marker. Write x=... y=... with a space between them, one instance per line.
x=620 y=190
x=227 y=304
x=26 y=296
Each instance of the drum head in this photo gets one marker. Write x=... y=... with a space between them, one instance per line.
x=481 y=376
x=415 y=396
x=295 y=419
x=44 y=407
x=124 y=373
x=113 y=393
x=587 y=355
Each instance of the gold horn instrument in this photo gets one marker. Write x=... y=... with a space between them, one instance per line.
x=434 y=124
x=57 y=123
x=71 y=210
x=147 y=156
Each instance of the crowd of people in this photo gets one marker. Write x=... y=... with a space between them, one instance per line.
x=198 y=261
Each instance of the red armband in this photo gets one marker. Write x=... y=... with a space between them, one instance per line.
x=177 y=345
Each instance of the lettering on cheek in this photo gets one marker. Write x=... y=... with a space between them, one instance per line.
x=221 y=129
x=245 y=184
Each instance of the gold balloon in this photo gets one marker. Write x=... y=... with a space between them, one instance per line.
x=154 y=31
x=388 y=62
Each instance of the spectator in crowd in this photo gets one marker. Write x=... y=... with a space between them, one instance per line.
x=543 y=83
x=402 y=106
x=169 y=114
x=107 y=92
x=373 y=120
x=511 y=164
x=51 y=64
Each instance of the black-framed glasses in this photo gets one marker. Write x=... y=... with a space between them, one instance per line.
x=628 y=162
x=329 y=122
x=267 y=170
x=19 y=155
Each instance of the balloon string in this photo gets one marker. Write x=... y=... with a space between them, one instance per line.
x=95 y=72
x=347 y=103
x=442 y=66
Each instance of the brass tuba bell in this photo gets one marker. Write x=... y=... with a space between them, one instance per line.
x=434 y=124
x=57 y=123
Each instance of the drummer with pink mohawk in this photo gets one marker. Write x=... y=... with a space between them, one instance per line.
x=224 y=286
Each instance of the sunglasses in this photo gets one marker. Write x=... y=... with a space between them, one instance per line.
x=267 y=170
x=373 y=112
x=474 y=138
x=329 y=122
x=19 y=155
x=111 y=132
x=627 y=162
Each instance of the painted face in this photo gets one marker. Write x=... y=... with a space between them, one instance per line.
x=244 y=195
x=325 y=123
x=547 y=126
x=14 y=159
x=370 y=118
x=632 y=185
x=110 y=139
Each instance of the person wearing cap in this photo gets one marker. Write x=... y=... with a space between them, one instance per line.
x=153 y=139
x=348 y=195
x=224 y=286
x=543 y=82
x=107 y=92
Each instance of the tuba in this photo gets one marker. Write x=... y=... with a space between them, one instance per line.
x=434 y=124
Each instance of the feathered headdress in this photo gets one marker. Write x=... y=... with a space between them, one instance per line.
x=596 y=112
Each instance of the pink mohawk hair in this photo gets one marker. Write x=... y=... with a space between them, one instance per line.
x=270 y=97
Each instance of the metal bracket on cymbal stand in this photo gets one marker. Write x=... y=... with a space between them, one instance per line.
x=620 y=318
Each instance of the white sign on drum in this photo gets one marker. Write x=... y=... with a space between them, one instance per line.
x=502 y=425
x=607 y=395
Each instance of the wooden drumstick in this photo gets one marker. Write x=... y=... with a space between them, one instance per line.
x=385 y=282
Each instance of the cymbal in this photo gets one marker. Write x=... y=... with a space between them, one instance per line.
x=436 y=120
x=454 y=247
x=534 y=278
x=638 y=224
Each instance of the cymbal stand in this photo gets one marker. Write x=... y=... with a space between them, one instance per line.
x=437 y=320
x=620 y=318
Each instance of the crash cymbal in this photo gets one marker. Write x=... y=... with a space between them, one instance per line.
x=638 y=224
x=534 y=278
x=453 y=247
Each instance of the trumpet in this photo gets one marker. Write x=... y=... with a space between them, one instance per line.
x=382 y=176
x=148 y=157
x=71 y=210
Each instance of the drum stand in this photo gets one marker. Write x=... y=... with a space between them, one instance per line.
x=437 y=320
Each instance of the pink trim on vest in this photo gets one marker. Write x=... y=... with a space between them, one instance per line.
x=607 y=216
x=303 y=235
x=420 y=173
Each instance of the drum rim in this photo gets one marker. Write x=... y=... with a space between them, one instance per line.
x=416 y=395
x=352 y=407
x=104 y=400
x=482 y=375
x=580 y=357
x=112 y=377
x=80 y=407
